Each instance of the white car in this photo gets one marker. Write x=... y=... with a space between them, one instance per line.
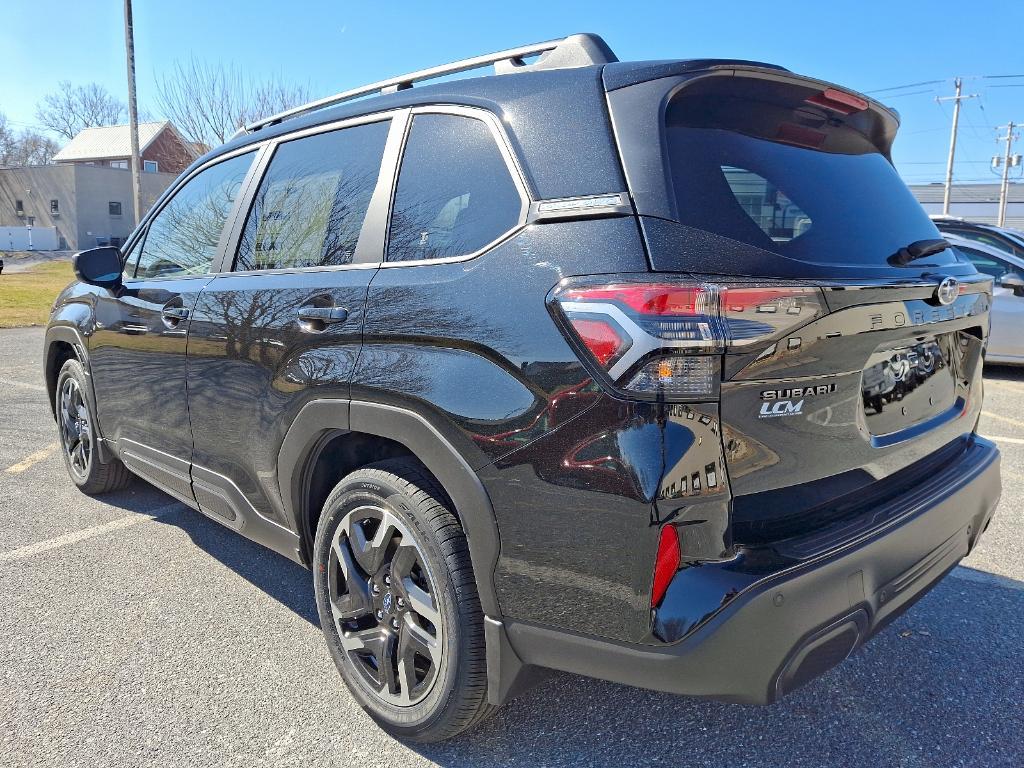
x=1006 y=340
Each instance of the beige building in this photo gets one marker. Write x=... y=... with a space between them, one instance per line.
x=87 y=193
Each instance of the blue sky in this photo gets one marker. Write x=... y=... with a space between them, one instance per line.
x=331 y=46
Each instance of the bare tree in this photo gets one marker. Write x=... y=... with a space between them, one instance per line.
x=26 y=148
x=209 y=102
x=6 y=139
x=73 y=108
x=33 y=148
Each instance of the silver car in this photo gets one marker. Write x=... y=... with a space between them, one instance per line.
x=1006 y=340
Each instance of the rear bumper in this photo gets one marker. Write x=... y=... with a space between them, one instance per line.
x=780 y=630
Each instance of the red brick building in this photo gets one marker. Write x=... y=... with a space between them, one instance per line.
x=161 y=147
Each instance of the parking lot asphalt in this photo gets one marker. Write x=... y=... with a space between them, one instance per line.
x=134 y=631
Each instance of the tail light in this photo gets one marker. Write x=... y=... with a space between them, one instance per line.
x=666 y=563
x=666 y=338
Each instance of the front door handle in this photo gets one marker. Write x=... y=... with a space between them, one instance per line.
x=317 y=318
x=173 y=316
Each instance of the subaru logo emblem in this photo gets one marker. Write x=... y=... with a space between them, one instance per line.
x=387 y=603
x=947 y=291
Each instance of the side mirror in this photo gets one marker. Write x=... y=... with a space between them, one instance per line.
x=102 y=266
x=1013 y=280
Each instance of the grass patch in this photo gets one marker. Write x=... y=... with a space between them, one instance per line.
x=26 y=297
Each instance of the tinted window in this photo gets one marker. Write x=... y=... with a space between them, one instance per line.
x=985 y=263
x=455 y=194
x=131 y=258
x=182 y=239
x=988 y=239
x=310 y=207
x=749 y=171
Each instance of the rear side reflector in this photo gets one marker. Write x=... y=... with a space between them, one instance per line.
x=665 y=338
x=666 y=564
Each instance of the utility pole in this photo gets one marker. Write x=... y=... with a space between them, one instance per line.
x=133 y=112
x=956 y=99
x=1008 y=160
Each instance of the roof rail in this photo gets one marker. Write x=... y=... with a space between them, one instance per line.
x=578 y=50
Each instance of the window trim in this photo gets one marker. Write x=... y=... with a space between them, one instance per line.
x=154 y=163
x=511 y=162
x=218 y=260
x=380 y=198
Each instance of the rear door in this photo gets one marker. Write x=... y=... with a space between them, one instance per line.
x=283 y=324
x=137 y=351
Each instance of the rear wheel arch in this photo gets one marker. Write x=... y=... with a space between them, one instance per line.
x=343 y=436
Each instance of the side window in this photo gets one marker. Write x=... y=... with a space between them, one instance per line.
x=182 y=239
x=982 y=237
x=455 y=193
x=985 y=263
x=311 y=203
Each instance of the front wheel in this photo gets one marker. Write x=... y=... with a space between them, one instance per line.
x=76 y=423
x=398 y=602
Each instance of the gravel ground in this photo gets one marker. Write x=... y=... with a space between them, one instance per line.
x=134 y=631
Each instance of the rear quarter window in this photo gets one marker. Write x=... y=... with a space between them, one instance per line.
x=455 y=192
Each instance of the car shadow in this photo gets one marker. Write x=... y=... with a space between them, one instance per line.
x=940 y=686
x=998 y=372
x=280 y=578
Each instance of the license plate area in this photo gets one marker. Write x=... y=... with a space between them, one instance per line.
x=907 y=384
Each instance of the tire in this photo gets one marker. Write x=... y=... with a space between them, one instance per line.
x=75 y=424
x=446 y=692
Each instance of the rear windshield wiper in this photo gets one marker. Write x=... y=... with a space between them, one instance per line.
x=917 y=250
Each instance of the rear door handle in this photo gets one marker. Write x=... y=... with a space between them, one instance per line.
x=315 y=318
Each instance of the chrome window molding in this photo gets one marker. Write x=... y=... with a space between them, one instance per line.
x=583 y=207
x=379 y=200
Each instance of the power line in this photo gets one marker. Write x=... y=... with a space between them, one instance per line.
x=908 y=85
x=938 y=82
x=939 y=162
x=915 y=93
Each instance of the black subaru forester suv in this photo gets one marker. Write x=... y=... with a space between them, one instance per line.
x=650 y=371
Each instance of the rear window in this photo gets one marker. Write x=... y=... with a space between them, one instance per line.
x=789 y=178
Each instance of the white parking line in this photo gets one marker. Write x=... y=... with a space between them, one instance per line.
x=1010 y=440
x=32 y=458
x=22 y=384
x=1007 y=419
x=1008 y=385
x=31 y=550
